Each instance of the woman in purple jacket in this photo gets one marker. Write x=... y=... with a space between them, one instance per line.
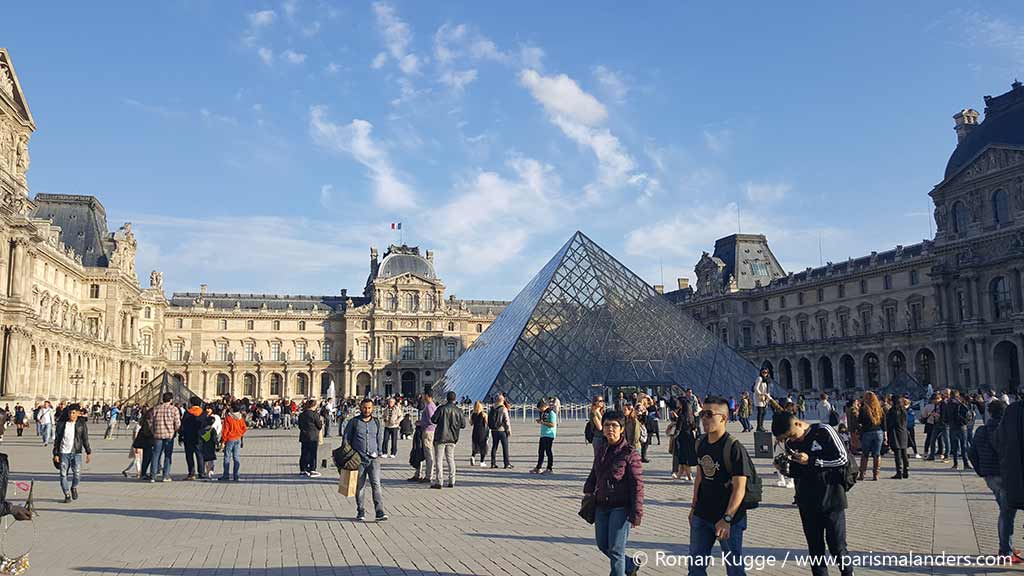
x=617 y=484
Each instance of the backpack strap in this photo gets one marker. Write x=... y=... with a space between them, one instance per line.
x=727 y=454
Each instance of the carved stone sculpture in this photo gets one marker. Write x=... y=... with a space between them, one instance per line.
x=940 y=216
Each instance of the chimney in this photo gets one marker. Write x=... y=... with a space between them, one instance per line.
x=684 y=283
x=964 y=122
x=659 y=288
x=202 y=289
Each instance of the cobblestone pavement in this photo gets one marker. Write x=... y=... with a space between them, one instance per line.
x=494 y=522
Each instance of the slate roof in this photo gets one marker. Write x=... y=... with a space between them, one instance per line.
x=1003 y=124
x=83 y=224
x=277 y=302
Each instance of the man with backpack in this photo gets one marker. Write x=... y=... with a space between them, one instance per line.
x=726 y=487
x=365 y=434
x=449 y=421
x=817 y=459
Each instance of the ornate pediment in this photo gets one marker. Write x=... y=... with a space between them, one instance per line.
x=11 y=94
x=992 y=159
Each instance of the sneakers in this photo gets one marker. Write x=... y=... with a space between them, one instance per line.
x=1016 y=558
x=74 y=493
x=152 y=479
x=223 y=479
x=189 y=478
x=382 y=517
x=547 y=471
x=675 y=476
x=482 y=465
x=167 y=479
x=535 y=471
x=436 y=486
x=917 y=456
x=780 y=483
x=315 y=474
x=361 y=516
x=472 y=461
x=304 y=473
x=509 y=467
x=67 y=498
x=413 y=479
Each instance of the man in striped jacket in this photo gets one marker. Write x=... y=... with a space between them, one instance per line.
x=817 y=461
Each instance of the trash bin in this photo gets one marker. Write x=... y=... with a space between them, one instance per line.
x=763 y=444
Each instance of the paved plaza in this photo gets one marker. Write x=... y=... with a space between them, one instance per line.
x=494 y=522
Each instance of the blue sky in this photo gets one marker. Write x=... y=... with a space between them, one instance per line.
x=265 y=146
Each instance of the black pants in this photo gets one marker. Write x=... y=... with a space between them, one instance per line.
x=545 y=448
x=147 y=459
x=498 y=436
x=826 y=529
x=192 y=458
x=390 y=440
x=479 y=447
x=929 y=438
x=911 y=441
x=902 y=462
x=760 y=418
x=307 y=459
x=653 y=432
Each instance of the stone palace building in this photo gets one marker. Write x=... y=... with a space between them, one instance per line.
x=948 y=311
x=77 y=325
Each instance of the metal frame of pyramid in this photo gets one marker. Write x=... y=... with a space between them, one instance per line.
x=587 y=322
x=152 y=393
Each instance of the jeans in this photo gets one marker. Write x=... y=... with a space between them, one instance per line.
x=745 y=422
x=958 y=444
x=165 y=447
x=70 y=465
x=760 y=418
x=611 y=530
x=1007 y=515
x=193 y=457
x=940 y=443
x=444 y=453
x=390 y=441
x=544 y=448
x=702 y=539
x=46 y=431
x=871 y=443
x=826 y=530
x=499 y=437
x=369 y=470
x=232 y=453
x=307 y=458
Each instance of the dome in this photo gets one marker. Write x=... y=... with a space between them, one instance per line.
x=398 y=264
x=1004 y=124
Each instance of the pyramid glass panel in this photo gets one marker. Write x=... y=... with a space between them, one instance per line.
x=585 y=323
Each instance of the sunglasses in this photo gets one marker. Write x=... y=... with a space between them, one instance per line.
x=708 y=413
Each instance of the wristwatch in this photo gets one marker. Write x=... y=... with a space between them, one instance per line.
x=727 y=518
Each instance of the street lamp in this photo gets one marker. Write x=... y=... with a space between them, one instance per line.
x=76 y=379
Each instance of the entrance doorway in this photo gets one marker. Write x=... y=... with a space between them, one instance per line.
x=409 y=384
x=1007 y=367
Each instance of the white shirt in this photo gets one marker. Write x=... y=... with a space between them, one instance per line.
x=217 y=425
x=46 y=416
x=760 y=393
x=67 y=442
x=824 y=408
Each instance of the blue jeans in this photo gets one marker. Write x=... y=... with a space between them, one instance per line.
x=611 y=530
x=46 y=431
x=165 y=447
x=702 y=539
x=871 y=443
x=70 y=465
x=369 y=471
x=958 y=444
x=940 y=445
x=232 y=453
x=1007 y=514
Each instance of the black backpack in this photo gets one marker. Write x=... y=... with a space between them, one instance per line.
x=345 y=458
x=849 y=472
x=495 y=418
x=588 y=432
x=833 y=418
x=754 y=490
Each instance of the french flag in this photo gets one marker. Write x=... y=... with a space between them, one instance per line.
x=396 y=225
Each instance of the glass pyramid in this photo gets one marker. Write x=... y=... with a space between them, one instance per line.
x=585 y=323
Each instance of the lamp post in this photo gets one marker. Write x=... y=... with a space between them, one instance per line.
x=76 y=379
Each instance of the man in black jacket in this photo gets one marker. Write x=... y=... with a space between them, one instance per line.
x=72 y=437
x=310 y=424
x=984 y=455
x=1010 y=440
x=192 y=424
x=817 y=461
x=449 y=420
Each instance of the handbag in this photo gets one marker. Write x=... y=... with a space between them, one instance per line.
x=588 y=508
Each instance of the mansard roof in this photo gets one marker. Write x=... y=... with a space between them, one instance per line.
x=1003 y=124
x=276 y=302
x=83 y=224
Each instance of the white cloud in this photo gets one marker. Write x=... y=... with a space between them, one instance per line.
x=332 y=68
x=689 y=232
x=562 y=97
x=266 y=55
x=355 y=139
x=612 y=83
x=326 y=195
x=1002 y=35
x=397 y=37
x=262 y=18
x=761 y=193
x=379 y=60
x=293 y=57
x=445 y=39
x=290 y=7
x=457 y=80
x=718 y=141
x=531 y=57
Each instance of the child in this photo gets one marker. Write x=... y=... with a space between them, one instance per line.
x=406 y=427
x=133 y=452
x=208 y=438
x=844 y=435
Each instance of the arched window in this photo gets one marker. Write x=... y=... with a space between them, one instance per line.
x=147 y=313
x=428 y=302
x=410 y=301
x=1001 y=305
x=1000 y=207
x=391 y=325
x=364 y=325
x=326 y=351
x=223 y=385
x=392 y=300
x=408 y=349
x=430 y=325
x=249 y=388
x=302 y=324
x=277 y=324
x=451 y=326
x=275 y=384
x=479 y=328
x=248 y=324
x=959 y=218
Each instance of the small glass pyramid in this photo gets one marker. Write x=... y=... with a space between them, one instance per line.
x=586 y=323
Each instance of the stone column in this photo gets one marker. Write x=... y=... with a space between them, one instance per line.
x=20 y=269
x=1020 y=359
x=1018 y=291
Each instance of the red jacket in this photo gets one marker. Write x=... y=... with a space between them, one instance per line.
x=234 y=428
x=616 y=479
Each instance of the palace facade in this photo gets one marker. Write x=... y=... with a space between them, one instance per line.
x=948 y=311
